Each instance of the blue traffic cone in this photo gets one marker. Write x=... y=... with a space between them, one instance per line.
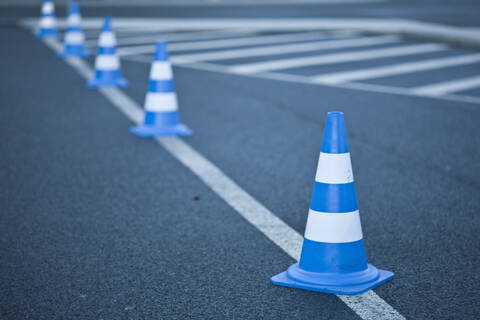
x=74 y=37
x=107 y=64
x=161 y=107
x=333 y=255
x=47 y=24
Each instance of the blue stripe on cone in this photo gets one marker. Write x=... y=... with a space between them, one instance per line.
x=333 y=267
x=334 y=197
x=106 y=50
x=161 y=86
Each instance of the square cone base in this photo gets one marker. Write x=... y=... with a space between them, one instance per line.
x=150 y=131
x=283 y=279
x=97 y=83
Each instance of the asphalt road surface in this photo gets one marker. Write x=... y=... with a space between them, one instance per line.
x=96 y=223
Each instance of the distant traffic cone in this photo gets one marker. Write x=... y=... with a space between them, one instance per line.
x=74 y=37
x=107 y=64
x=333 y=255
x=47 y=24
x=161 y=107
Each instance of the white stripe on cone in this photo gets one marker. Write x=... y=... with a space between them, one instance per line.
x=107 y=39
x=333 y=227
x=74 y=20
x=74 y=37
x=107 y=62
x=161 y=102
x=161 y=70
x=47 y=22
x=334 y=168
x=47 y=8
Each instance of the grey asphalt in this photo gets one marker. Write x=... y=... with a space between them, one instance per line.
x=98 y=224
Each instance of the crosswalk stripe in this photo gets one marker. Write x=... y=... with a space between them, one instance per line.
x=336 y=58
x=396 y=69
x=441 y=88
x=282 y=49
x=238 y=42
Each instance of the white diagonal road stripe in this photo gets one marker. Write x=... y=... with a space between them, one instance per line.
x=396 y=69
x=282 y=49
x=336 y=58
x=239 y=42
x=441 y=88
x=151 y=39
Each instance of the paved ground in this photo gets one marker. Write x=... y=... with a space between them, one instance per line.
x=98 y=224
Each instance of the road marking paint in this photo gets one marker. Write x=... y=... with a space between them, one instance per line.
x=308 y=80
x=369 y=306
x=442 y=88
x=265 y=39
x=397 y=69
x=290 y=63
x=285 y=48
x=185 y=36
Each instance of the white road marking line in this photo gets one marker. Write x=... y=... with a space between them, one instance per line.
x=446 y=87
x=284 y=48
x=177 y=37
x=308 y=80
x=369 y=306
x=283 y=64
x=397 y=69
x=225 y=43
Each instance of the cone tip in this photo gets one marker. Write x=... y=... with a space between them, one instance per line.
x=106 y=24
x=161 y=53
x=335 y=136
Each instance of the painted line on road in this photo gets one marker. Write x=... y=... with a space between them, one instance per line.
x=334 y=58
x=248 y=41
x=397 y=69
x=369 y=306
x=175 y=36
x=441 y=88
x=284 y=49
x=308 y=80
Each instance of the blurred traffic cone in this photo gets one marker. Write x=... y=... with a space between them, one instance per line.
x=333 y=255
x=74 y=37
x=161 y=109
x=47 y=24
x=107 y=64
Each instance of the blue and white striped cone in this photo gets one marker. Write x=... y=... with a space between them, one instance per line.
x=107 y=63
x=161 y=107
x=47 y=24
x=74 y=37
x=333 y=255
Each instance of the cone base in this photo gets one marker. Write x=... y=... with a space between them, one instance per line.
x=150 y=131
x=46 y=33
x=335 y=284
x=80 y=53
x=97 y=83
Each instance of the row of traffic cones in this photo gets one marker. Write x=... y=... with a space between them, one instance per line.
x=333 y=258
x=161 y=106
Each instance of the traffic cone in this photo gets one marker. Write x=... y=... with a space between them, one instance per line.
x=74 y=37
x=107 y=64
x=161 y=108
x=47 y=25
x=333 y=255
